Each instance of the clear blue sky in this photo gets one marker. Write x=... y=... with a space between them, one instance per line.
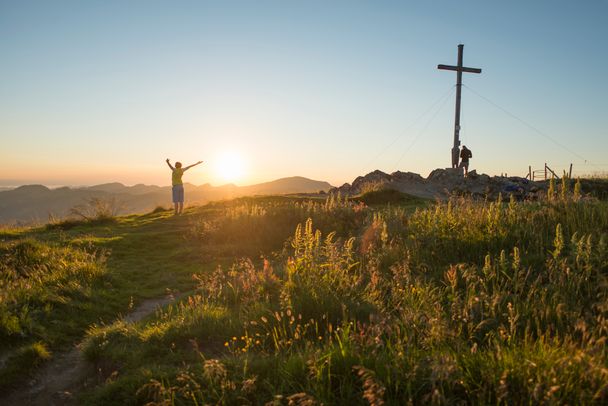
x=99 y=91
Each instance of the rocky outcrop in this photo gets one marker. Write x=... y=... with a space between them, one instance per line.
x=373 y=178
x=442 y=183
x=406 y=177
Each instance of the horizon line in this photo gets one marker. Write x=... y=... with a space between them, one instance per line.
x=77 y=186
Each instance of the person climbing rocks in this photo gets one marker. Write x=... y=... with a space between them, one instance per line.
x=465 y=154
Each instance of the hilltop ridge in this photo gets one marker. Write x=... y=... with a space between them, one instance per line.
x=35 y=203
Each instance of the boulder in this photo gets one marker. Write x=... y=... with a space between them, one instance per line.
x=373 y=180
x=445 y=175
x=406 y=177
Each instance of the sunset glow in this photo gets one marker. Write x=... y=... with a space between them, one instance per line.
x=229 y=166
x=101 y=93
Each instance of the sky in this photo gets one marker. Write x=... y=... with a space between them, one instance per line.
x=104 y=91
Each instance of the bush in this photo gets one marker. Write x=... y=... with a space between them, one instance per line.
x=96 y=211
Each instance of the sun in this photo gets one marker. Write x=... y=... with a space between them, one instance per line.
x=230 y=166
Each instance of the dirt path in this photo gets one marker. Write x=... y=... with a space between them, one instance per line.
x=58 y=380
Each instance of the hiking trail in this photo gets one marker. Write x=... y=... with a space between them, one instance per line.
x=58 y=381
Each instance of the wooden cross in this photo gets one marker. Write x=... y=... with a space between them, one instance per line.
x=459 y=69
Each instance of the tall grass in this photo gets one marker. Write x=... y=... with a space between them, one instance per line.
x=46 y=293
x=461 y=302
x=248 y=227
x=38 y=280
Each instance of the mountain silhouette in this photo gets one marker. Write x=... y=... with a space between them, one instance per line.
x=36 y=203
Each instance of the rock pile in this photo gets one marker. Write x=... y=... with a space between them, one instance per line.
x=442 y=183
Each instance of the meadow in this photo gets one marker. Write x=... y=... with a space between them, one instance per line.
x=382 y=299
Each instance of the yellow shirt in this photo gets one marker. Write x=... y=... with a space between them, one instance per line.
x=176 y=177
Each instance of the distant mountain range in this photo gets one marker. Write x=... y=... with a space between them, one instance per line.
x=35 y=203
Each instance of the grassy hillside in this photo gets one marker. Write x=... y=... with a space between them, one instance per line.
x=300 y=301
x=58 y=279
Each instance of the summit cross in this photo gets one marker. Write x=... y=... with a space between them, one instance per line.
x=459 y=69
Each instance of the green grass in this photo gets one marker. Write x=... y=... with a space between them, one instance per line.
x=21 y=361
x=49 y=294
x=339 y=301
x=57 y=281
x=388 y=196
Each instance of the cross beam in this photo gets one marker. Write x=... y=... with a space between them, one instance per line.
x=459 y=69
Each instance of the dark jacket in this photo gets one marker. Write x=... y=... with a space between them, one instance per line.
x=465 y=154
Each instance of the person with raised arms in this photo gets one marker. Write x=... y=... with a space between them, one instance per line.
x=178 y=185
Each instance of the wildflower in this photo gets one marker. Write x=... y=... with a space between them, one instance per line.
x=214 y=370
x=249 y=385
x=373 y=391
x=301 y=399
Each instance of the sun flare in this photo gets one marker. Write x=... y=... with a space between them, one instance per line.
x=229 y=166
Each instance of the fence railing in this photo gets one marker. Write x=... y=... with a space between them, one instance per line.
x=545 y=173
